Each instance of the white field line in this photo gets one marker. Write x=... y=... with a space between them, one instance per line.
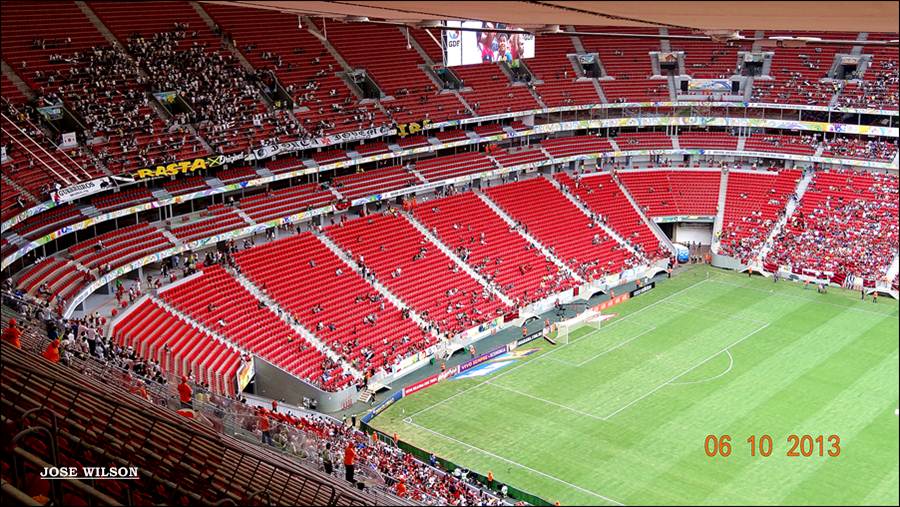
x=596 y=333
x=696 y=309
x=607 y=351
x=715 y=279
x=570 y=409
x=545 y=355
x=730 y=366
x=511 y=462
x=685 y=372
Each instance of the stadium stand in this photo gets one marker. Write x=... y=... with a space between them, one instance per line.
x=402 y=259
x=342 y=309
x=483 y=240
x=603 y=196
x=671 y=193
x=754 y=201
x=846 y=225
x=560 y=226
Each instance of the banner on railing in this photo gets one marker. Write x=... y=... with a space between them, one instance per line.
x=186 y=166
x=316 y=142
x=79 y=190
x=414 y=127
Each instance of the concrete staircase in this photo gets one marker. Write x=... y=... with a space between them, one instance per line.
x=459 y=262
x=742 y=142
x=789 y=210
x=298 y=328
x=196 y=325
x=675 y=144
x=650 y=223
x=720 y=210
x=528 y=237
x=584 y=209
x=390 y=296
x=16 y=80
x=244 y=215
x=614 y=144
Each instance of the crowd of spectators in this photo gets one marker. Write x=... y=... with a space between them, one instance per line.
x=376 y=461
x=846 y=225
x=222 y=95
x=315 y=439
x=879 y=92
x=872 y=149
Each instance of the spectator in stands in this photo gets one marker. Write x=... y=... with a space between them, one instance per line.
x=12 y=334
x=185 y=393
x=51 y=353
x=264 y=426
x=349 y=461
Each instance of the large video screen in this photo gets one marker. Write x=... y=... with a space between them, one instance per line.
x=482 y=44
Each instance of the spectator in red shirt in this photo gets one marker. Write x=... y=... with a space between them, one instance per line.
x=349 y=460
x=264 y=426
x=52 y=351
x=13 y=334
x=185 y=393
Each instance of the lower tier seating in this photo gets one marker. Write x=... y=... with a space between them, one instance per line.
x=558 y=224
x=418 y=272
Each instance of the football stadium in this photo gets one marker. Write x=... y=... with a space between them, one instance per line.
x=450 y=253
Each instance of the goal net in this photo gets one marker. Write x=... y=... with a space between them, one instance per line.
x=561 y=332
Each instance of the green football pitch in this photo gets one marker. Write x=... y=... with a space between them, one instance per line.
x=621 y=414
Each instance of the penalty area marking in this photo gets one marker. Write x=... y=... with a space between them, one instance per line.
x=730 y=365
x=685 y=372
x=511 y=462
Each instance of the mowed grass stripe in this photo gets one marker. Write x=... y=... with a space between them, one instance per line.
x=652 y=452
x=864 y=446
x=819 y=374
x=688 y=413
x=811 y=480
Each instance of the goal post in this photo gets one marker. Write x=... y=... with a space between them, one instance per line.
x=561 y=332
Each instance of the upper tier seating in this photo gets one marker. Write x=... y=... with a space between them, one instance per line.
x=602 y=195
x=552 y=66
x=492 y=91
x=753 y=203
x=418 y=272
x=158 y=335
x=219 y=302
x=558 y=224
x=797 y=72
x=172 y=43
x=342 y=310
x=35 y=163
x=846 y=224
x=396 y=71
x=374 y=182
x=271 y=41
x=501 y=255
x=706 y=59
x=629 y=64
x=672 y=193
x=879 y=85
